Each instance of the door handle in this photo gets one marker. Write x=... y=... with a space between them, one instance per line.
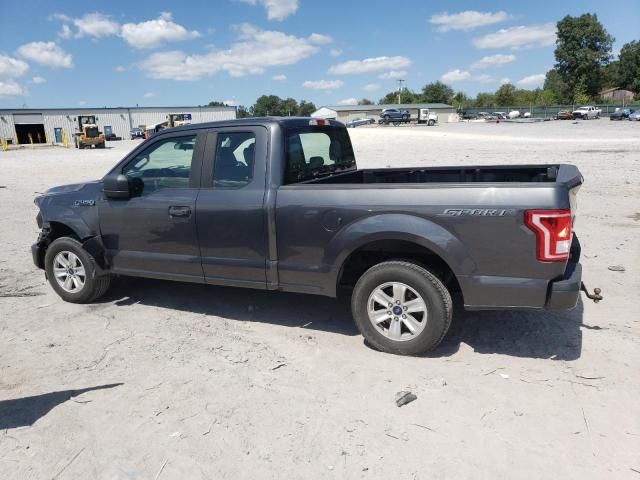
x=179 y=211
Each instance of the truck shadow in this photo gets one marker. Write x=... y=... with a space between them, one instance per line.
x=279 y=308
x=531 y=334
x=24 y=412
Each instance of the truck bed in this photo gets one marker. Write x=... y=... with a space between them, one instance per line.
x=464 y=174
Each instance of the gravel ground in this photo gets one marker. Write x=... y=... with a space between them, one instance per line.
x=164 y=380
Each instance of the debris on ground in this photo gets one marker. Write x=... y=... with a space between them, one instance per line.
x=404 y=397
x=616 y=268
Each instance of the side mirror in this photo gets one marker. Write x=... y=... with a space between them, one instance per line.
x=116 y=186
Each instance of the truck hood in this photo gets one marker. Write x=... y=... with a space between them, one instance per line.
x=75 y=191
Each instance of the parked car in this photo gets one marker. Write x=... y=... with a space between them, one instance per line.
x=587 y=113
x=564 y=115
x=621 y=114
x=356 y=122
x=499 y=115
x=136 y=133
x=112 y=137
x=635 y=116
x=394 y=114
x=279 y=204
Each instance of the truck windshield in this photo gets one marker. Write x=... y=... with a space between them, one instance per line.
x=317 y=151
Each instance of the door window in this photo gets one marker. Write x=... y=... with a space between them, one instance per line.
x=235 y=155
x=166 y=164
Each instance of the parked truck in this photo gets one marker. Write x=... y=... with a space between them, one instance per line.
x=279 y=204
x=587 y=113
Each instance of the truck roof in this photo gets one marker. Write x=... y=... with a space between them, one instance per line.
x=290 y=122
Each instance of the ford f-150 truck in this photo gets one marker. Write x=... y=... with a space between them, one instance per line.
x=278 y=204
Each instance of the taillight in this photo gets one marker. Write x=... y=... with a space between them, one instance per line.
x=553 y=233
x=318 y=122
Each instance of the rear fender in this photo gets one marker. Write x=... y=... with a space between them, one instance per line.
x=405 y=227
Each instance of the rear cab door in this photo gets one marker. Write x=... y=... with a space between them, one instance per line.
x=231 y=217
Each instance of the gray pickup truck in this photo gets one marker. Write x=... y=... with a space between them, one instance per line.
x=278 y=204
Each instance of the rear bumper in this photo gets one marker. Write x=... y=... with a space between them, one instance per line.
x=563 y=294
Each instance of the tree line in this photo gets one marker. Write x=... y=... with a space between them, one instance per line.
x=584 y=67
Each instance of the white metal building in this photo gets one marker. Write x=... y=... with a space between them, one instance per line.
x=344 y=113
x=45 y=125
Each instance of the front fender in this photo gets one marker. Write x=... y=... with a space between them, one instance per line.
x=395 y=226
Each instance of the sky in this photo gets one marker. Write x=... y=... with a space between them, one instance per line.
x=168 y=53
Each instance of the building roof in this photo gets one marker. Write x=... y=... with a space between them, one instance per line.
x=402 y=106
x=92 y=109
x=614 y=89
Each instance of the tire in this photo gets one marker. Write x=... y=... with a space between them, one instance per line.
x=70 y=250
x=431 y=123
x=100 y=145
x=405 y=117
x=422 y=285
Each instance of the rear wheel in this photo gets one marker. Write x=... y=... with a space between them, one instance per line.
x=401 y=308
x=72 y=272
x=405 y=117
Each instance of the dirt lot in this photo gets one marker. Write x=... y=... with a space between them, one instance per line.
x=164 y=380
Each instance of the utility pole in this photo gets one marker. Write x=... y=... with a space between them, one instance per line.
x=400 y=82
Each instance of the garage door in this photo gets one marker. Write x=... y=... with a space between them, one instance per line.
x=19 y=118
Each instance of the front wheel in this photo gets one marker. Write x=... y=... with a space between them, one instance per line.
x=431 y=123
x=401 y=308
x=73 y=273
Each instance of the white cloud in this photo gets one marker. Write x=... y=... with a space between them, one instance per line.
x=467 y=20
x=519 y=37
x=348 y=101
x=335 y=52
x=369 y=65
x=493 y=61
x=95 y=25
x=320 y=39
x=455 y=76
x=46 y=53
x=371 y=87
x=120 y=69
x=9 y=88
x=12 y=67
x=230 y=103
x=153 y=33
x=323 y=84
x=256 y=51
x=82 y=103
x=505 y=80
x=38 y=80
x=65 y=32
x=393 y=74
x=149 y=95
x=531 y=80
x=484 y=78
x=276 y=9
x=279 y=78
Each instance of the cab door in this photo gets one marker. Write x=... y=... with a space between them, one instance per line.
x=153 y=234
x=232 y=229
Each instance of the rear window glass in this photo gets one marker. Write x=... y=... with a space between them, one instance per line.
x=317 y=151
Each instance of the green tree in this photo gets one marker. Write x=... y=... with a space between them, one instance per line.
x=289 y=107
x=461 y=100
x=407 y=96
x=629 y=67
x=580 y=95
x=365 y=101
x=305 y=109
x=553 y=82
x=267 y=105
x=484 y=100
x=505 y=95
x=215 y=103
x=242 y=112
x=437 y=92
x=583 y=47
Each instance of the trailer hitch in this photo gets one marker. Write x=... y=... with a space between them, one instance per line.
x=595 y=296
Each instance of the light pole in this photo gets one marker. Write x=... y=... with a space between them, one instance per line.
x=400 y=82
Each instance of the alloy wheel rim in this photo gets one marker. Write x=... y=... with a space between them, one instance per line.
x=69 y=271
x=397 y=311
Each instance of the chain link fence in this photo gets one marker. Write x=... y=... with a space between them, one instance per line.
x=546 y=111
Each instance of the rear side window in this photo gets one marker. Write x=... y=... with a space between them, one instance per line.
x=316 y=151
x=235 y=156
